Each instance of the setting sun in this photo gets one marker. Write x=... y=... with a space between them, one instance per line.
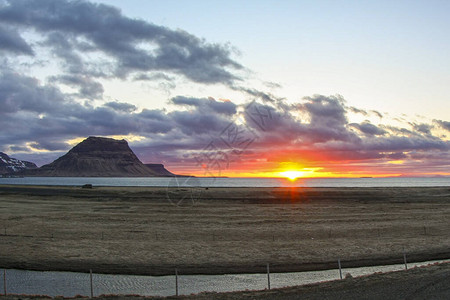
x=292 y=175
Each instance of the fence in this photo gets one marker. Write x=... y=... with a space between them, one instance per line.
x=73 y=284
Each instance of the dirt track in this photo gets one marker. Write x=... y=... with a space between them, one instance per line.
x=137 y=230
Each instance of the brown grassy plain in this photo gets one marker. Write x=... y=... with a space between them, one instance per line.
x=138 y=231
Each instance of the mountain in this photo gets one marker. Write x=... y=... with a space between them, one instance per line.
x=159 y=169
x=98 y=157
x=9 y=165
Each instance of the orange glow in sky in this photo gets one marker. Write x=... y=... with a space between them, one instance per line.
x=294 y=171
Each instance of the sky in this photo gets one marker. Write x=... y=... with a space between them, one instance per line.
x=232 y=88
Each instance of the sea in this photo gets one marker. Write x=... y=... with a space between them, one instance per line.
x=231 y=182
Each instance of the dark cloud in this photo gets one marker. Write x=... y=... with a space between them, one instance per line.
x=267 y=97
x=325 y=111
x=321 y=133
x=11 y=41
x=203 y=115
x=18 y=149
x=93 y=42
x=368 y=128
x=272 y=85
x=198 y=123
x=49 y=145
x=43 y=116
x=75 y=27
x=269 y=117
x=399 y=131
x=358 y=111
x=377 y=113
x=152 y=77
x=326 y=118
x=422 y=128
x=121 y=106
x=22 y=93
x=156 y=114
x=315 y=130
x=443 y=124
x=62 y=46
x=153 y=122
x=206 y=105
x=397 y=155
x=87 y=87
x=401 y=143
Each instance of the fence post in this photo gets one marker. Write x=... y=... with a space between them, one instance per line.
x=4 y=281
x=404 y=259
x=268 y=276
x=340 y=269
x=92 y=288
x=176 y=282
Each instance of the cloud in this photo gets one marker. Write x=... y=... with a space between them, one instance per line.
x=11 y=41
x=121 y=106
x=37 y=114
x=131 y=46
x=49 y=144
x=152 y=77
x=206 y=105
x=443 y=124
x=422 y=128
x=368 y=128
x=267 y=97
x=325 y=111
x=22 y=93
x=272 y=85
x=62 y=46
x=315 y=130
x=358 y=111
x=87 y=87
x=377 y=113
x=204 y=115
x=326 y=119
x=198 y=123
x=93 y=43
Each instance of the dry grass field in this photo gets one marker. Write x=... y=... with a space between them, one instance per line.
x=138 y=231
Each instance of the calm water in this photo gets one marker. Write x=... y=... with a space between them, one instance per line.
x=69 y=284
x=230 y=182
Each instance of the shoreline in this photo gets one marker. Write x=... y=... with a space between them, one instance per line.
x=142 y=270
x=235 y=182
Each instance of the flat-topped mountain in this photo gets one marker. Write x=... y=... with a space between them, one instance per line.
x=99 y=157
x=159 y=169
x=9 y=165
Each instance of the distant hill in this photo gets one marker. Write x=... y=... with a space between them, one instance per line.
x=99 y=157
x=10 y=166
x=159 y=169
